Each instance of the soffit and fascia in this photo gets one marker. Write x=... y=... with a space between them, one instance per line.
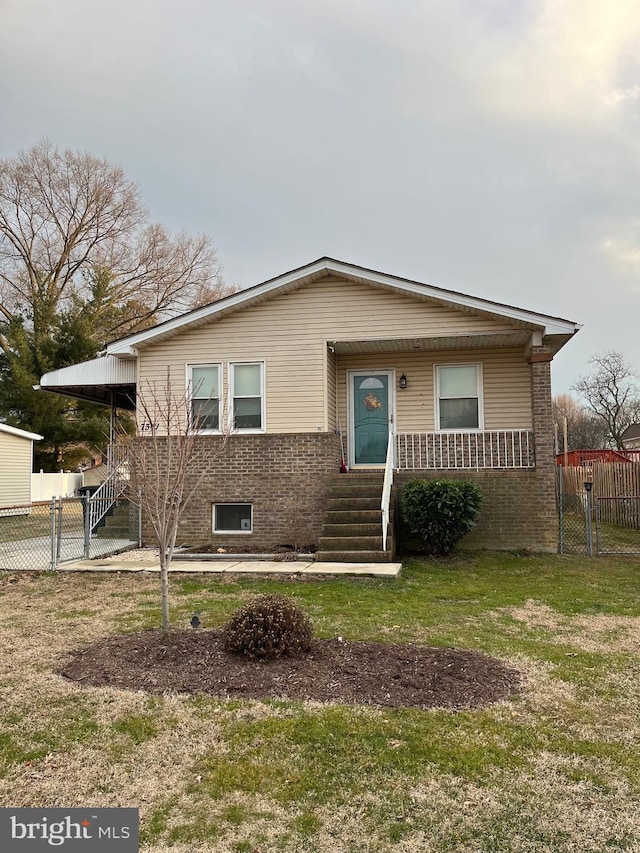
x=556 y=330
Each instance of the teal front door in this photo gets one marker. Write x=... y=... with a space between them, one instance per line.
x=370 y=420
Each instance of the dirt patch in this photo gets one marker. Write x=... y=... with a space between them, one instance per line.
x=386 y=674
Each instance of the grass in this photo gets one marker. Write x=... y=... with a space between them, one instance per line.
x=34 y=523
x=554 y=768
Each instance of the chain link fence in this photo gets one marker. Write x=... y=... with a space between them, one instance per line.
x=617 y=525
x=574 y=535
x=42 y=536
x=25 y=537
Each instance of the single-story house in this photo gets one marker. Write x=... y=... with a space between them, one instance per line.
x=16 y=464
x=331 y=367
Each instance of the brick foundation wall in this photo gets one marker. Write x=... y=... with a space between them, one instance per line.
x=284 y=476
x=514 y=512
x=519 y=505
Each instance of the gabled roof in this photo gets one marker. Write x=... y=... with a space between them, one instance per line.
x=631 y=432
x=555 y=328
x=21 y=433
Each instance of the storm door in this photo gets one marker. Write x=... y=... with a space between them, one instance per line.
x=370 y=395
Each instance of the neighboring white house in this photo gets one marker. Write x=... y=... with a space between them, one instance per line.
x=631 y=437
x=16 y=464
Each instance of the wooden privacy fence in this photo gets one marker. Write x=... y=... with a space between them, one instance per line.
x=616 y=488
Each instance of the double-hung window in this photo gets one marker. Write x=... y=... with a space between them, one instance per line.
x=247 y=396
x=204 y=393
x=459 y=397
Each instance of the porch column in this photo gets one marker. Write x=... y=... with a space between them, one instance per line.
x=539 y=359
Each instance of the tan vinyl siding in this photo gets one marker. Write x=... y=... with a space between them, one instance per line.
x=290 y=332
x=16 y=463
x=506 y=386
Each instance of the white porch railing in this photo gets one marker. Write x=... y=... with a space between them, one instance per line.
x=473 y=450
x=386 y=489
x=118 y=458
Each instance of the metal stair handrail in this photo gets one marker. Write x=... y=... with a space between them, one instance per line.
x=386 y=488
x=111 y=489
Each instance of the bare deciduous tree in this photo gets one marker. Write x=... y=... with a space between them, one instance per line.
x=66 y=212
x=57 y=210
x=585 y=430
x=611 y=393
x=167 y=463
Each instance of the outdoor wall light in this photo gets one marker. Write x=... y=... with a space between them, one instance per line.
x=403 y=381
x=588 y=485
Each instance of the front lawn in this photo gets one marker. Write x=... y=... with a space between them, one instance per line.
x=555 y=768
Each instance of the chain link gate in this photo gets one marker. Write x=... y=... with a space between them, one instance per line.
x=574 y=538
x=75 y=537
x=595 y=524
x=39 y=537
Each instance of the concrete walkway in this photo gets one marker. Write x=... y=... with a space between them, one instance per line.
x=237 y=566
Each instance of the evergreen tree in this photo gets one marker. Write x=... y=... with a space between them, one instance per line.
x=72 y=429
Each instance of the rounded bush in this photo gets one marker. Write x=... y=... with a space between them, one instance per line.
x=440 y=511
x=268 y=627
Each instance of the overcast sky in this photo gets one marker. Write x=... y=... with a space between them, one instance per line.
x=486 y=146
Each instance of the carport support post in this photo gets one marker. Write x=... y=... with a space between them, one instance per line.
x=113 y=419
x=52 y=517
x=87 y=525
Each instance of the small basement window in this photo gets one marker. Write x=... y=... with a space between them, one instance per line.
x=232 y=518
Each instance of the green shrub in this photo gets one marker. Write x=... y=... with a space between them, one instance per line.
x=440 y=511
x=268 y=627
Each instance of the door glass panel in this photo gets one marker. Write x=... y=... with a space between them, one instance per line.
x=371 y=382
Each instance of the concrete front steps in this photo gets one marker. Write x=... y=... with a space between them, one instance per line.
x=116 y=523
x=352 y=530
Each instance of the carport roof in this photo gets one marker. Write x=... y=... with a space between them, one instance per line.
x=107 y=380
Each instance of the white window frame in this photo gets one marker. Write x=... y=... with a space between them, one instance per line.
x=191 y=398
x=231 y=532
x=263 y=408
x=480 y=395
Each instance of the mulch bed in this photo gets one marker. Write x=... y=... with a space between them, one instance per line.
x=395 y=676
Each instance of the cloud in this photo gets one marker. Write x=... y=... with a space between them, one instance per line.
x=623 y=249
x=489 y=146
x=573 y=60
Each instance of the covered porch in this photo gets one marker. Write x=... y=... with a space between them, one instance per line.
x=452 y=402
